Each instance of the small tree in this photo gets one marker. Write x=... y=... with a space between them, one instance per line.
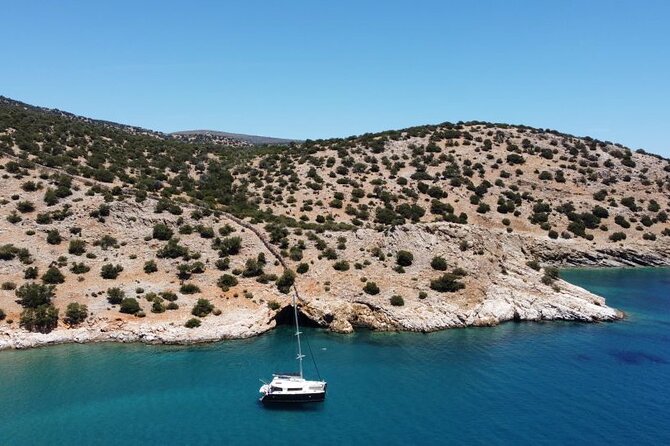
x=32 y=295
x=43 y=318
x=75 y=313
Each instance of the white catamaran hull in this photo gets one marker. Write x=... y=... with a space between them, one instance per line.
x=292 y=389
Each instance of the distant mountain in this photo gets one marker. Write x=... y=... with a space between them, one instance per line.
x=223 y=137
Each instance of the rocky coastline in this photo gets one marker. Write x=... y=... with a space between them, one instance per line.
x=508 y=297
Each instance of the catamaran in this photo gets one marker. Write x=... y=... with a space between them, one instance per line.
x=293 y=387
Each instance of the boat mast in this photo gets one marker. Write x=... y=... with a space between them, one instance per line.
x=297 y=330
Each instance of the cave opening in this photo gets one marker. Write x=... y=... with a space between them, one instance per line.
x=285 y=317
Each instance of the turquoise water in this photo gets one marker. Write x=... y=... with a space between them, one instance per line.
x=540 y=383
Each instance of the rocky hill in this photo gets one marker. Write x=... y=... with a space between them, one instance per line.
x=112 y=233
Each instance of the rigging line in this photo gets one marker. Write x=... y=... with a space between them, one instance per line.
x=312 y=355
x=296 y=297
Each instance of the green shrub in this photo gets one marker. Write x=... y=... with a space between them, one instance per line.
x=30 y=272
x=438 y=263
x=115 y=296
x=371 y=288
x=252 y=268
x=25 y=206
x=43 y=318
x=223 y=264
x=202 y=308
x=79 y=268
x=150 y=267
x=53 y=237
x=397 y=300
x=189 y=288
x=161 y=231
x=404 y=258
x=157 y=306
x=226 y=281
x=77 y=247
x=106 y=242
x=32 y=295
x=285 y=281
x=273 y=305
x=14 y=218
x=302 y=268
x=447 y=283
x=230 y=245
x=8 y=252
x=8 y=286
x=169 y=296
x=192 y=323
x=172 y=250
x=130 y=305
x=53 y=276
x=617 y=236
x=109 y=271
x=341 y=265
x=551 y=274
x=75 y=313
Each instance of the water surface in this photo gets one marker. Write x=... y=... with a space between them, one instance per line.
x=539 y=383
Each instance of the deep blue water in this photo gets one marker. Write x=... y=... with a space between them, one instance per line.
x=540 y=383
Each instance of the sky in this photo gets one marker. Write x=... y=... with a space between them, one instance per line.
x=317 y=69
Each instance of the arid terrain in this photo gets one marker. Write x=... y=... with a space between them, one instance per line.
x=173 y=239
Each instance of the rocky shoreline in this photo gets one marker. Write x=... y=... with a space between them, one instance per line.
x=500 y=305
x=500 y=287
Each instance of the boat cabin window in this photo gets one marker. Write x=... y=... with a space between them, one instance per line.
x=295 y=389
x=275 y=389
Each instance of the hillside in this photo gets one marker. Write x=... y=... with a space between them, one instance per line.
x=222 y=137
x=431 y=227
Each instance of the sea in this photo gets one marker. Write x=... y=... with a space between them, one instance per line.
x=554 y=383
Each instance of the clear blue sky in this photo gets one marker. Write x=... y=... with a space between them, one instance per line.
x=309 y=69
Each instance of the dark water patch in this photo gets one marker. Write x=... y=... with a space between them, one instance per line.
x=636 y=357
